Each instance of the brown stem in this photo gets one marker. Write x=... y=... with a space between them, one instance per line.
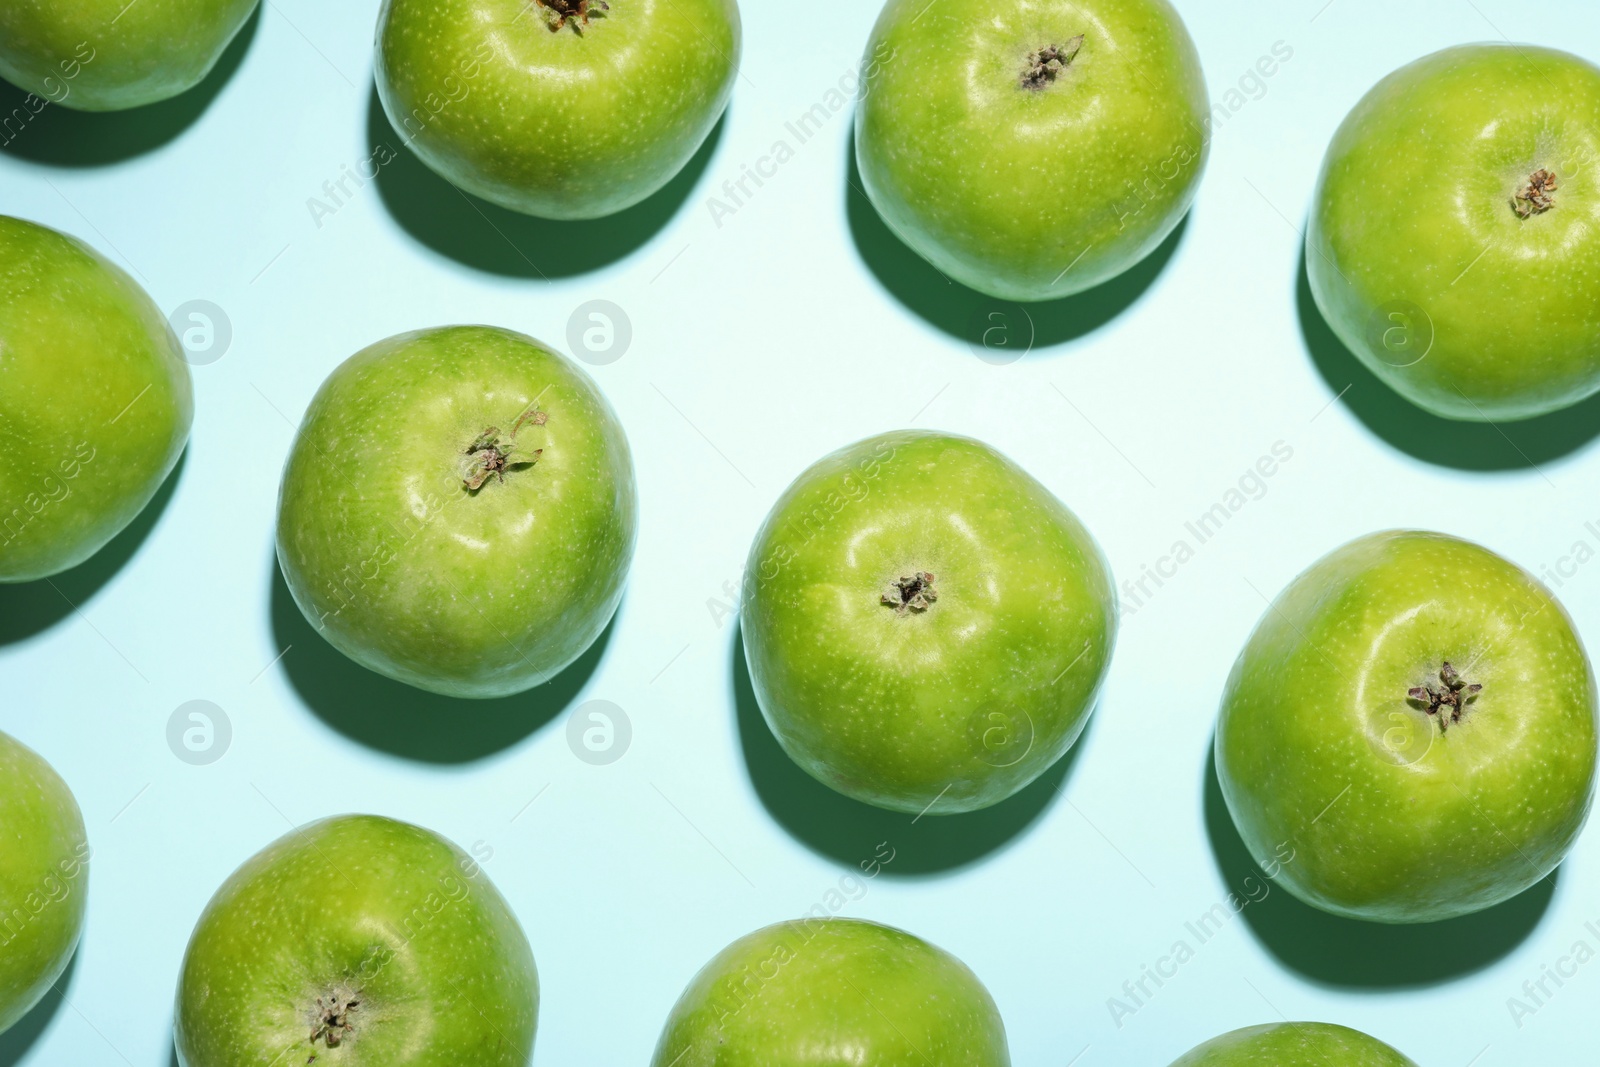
x=1534 y=197
x=491 y=455
x=913 y=593
x=1449 y=701
x=1046 y=65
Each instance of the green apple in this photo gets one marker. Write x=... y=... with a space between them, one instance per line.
x=458 y=511
x=1451 y=240
x=95 y=400
x=821 y=992
x=358 y=941
x=566 y=109
x=1031 y=151
x=44 y=878
x=927 y=627
x=1409 y=734
x=1294 y=1045
x=108 y=55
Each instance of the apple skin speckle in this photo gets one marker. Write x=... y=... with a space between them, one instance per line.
x=833 y=991
x=575 y=123
x=95 y=401
x=960 y=703
x=466 y=593
x=1031 y=192
x=1321 y=754
x=1292 y=1044
x=1418 y=252
x=44 y=878
x=61 y=50
x=379 y=912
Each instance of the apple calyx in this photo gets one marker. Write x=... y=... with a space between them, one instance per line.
x=330 y=1018
x=576 y=12
x=914 y=593
x=1046 y=65
x=1534 y=198
x=1449 y=701
x=490 y=455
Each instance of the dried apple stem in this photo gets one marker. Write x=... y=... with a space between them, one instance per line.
x=1449 y=701
x=1046 y=65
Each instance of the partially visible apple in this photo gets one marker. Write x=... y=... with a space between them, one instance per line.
x=357 y=941
x=828 y=991
x=1294 y=1045
x=1451 y=244
x=95 y=400
x=927 y=627
x=1032 y=150
x=458 y=511
x=1413 y=721
x=44 y=878
x=108 y=55
x=567 y=109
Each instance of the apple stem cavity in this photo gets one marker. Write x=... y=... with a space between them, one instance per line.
x=906 y=594
x=1449 y=701
x=330 y=1018
x=577 y=12
x=1534 y=198
x=1046 y=65
x=490 y=454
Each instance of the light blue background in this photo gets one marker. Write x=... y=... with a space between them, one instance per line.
x=791 y=328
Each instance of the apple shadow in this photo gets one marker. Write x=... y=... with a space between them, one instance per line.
x=404 y=721
x=495 y=240
x=1339 y=952
x=61 y=137
x=29 y=608
x=17 y=1043
x=964 y=313
x=849 y=832
x=1475 y=446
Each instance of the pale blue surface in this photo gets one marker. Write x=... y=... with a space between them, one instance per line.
x=758 y=345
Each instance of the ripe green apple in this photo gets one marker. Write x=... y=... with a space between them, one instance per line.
x=1413 y=722
x=1451 y=241
x=927 y=627
x=358 y=941
x=1031 y=151
x=108 y=55
x=823 y=991
x=458 y=511
x=566 y=109
x=95 y=400
x=44 y=878
x=1294 y=1045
